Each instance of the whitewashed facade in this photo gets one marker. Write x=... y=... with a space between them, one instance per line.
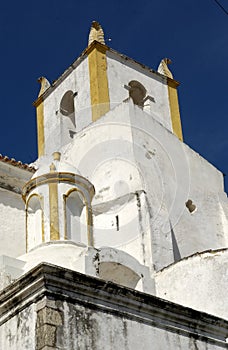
x=116 y=195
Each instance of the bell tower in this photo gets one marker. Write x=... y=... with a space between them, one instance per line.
x=58 y=205
x=119 y=195
x=126 y=226
x=98 y=81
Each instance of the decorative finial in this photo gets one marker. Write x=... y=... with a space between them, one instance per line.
x=96 y=33
x=163 y=68
x=56 y=156
x=44 y=85
x=52 y=167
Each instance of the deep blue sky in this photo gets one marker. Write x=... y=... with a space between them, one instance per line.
x=45 y=37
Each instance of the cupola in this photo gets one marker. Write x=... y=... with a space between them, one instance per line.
x=58 y=204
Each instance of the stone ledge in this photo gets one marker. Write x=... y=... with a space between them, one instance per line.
x=63 y=284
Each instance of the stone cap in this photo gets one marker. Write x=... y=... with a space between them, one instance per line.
x=62 y=284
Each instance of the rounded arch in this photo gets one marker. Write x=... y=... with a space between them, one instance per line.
x=34 y=221
x=67 y=104
x=120 y=267
x=68 y=122
x=137 y=92
x=76 y=216
x=118 y=273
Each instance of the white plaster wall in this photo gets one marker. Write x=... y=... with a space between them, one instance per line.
x=114 y=232
x=199 y=282
x=127 y=151
x=173 y=173
x=65 y=254
x=85 y=328
x=12 y=224
x=106 y=263
x=10 y=270
x=109 y=332
x=103 y=153
x=223 y=211
x=121 y=71
x=125 y=226
x=18 y=333
x=77 y=81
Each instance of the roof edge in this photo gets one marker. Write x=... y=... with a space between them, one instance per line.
x=61 y=283
x=18 y=164
x=85 y=52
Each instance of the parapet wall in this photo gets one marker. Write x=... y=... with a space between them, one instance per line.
x=56 y=308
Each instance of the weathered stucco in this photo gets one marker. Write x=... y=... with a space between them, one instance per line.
x=121 y=199
x=121 y=71
x=200 y=282
x=55 y=308
x=18 y=332
x=12 y=209
x=12 y=223
x=56 y=124
x=143 y=177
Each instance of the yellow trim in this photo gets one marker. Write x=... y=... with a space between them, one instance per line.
x=26 y=228
x=40 y=128
x=174 y=108
x=99 y=93
x=26 y=217
x=88 y=216
x=65 y=217
x=54 y=211
x=54 y=177
x=90 y=226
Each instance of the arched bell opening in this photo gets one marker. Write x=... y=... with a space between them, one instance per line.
x=67 y=110
x=137 y=92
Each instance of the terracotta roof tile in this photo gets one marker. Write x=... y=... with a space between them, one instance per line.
x=16 y=163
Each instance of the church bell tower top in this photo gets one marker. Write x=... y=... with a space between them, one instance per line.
x=94 y=84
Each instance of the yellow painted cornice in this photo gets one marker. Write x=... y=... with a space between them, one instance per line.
x=38 y=101
x=102 y=48
x=172 y=82
x=57 y=177
x=96 y=45
x=99 y=90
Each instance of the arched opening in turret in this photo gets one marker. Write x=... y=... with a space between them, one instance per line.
x=76 y=217
x=34 y=220
x=137 y=92
x=67 y=111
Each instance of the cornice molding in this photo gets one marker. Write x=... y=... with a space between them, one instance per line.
x=59 y=283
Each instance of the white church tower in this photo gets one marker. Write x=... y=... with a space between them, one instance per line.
x=116 y=195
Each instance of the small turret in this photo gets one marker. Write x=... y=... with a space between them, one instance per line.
x=58 y=205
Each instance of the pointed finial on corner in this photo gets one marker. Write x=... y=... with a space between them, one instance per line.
x=52 y=167
x=56 y=156
x=96 y=33
x=44 y=85
x=163 y=68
